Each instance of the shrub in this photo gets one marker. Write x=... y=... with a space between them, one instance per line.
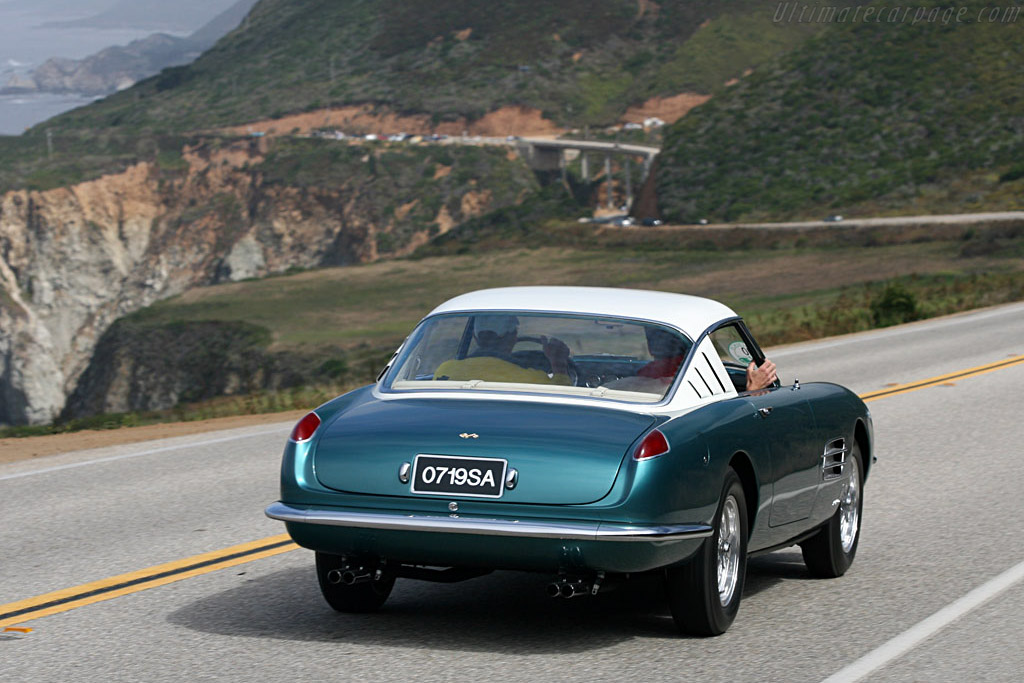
x=333 y=368
x=893 y=306
x=1016 y=172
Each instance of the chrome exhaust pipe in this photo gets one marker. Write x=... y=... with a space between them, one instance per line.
x=565 y=588
x=574 y=589
x=351 y=577
x=334 y=576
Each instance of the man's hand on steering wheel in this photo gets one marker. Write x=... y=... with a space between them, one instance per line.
x=557 y=353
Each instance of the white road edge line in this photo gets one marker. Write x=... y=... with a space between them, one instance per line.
x=152 y=451
x=923 y=630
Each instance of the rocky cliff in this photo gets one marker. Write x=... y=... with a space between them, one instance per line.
x=111 y=69
x=74 y=260
x=151 y=367
x=119 y=67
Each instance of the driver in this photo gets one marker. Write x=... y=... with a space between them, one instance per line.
x=669 y=351
x=492 y=360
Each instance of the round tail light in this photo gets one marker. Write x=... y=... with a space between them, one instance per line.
x=653 y=444
x=306 y=426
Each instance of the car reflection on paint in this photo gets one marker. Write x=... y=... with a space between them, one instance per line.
x=590 y=434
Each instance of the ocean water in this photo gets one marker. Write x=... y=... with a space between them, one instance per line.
x=25 y=44
x=19 y=112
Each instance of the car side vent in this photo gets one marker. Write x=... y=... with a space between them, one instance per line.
x=695 y=389
x=718 y=380
x=834 y=459
x=706 y=385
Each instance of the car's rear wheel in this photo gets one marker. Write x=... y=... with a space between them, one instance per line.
x=830 y=552
x=347 y=589
x=704 y=594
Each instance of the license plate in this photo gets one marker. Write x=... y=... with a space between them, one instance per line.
x=459 y=476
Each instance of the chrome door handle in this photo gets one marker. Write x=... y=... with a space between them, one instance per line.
x=764 y=412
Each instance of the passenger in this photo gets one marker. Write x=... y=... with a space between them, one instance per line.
x=669 y=351
x=492 y=361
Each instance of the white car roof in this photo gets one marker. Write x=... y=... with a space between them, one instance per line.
x=691 y=314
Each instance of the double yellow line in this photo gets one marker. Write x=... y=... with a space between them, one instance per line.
x=133 y=582
x=162 y=574
x=943 y=379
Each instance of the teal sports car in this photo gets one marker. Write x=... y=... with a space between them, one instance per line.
x=588 y=433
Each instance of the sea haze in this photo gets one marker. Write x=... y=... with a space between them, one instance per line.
x=25 y=44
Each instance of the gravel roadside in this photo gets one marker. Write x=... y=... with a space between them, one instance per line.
x=32 y=447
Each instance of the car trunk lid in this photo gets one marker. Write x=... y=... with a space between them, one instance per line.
x=564 y=454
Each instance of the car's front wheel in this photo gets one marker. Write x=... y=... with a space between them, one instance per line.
x=348 y=589
x=830 y=552
x=704 y=594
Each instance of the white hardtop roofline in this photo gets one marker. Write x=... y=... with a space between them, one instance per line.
x=691 y=314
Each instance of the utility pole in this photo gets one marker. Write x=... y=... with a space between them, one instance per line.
x=49 y=143
x=629 y=182
x=608 y=178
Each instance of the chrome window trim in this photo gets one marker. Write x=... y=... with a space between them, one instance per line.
x=382 y=387
x=692 y=354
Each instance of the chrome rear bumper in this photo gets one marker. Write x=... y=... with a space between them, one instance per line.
x=456 y=524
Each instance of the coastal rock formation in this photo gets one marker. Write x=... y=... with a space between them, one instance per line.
x=121 y=66
x=114 y=68
x=73 y=260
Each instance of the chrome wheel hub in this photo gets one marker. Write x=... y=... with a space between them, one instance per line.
x=849 y=508
x=728 y=551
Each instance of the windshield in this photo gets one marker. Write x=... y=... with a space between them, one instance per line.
x=572 y=355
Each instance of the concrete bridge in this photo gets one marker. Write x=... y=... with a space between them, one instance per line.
x=551 y=155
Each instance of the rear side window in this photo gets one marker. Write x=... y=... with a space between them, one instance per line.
x=732 y=348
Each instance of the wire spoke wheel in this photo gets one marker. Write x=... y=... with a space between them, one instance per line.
x=728 y=551
x=830 y=552
x=704 y=594
x=849 y=508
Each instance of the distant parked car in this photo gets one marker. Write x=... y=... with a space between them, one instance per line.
x=834 y=218
x=613 y=219
x=650 y=222
x=592 y=434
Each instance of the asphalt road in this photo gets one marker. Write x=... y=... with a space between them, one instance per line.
x=892 y=221
x=942 y=509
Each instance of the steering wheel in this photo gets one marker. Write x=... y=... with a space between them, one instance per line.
x=539 y=360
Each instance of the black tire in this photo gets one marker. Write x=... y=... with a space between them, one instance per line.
x=830 y=552
x=360 y=597
x=698 y=607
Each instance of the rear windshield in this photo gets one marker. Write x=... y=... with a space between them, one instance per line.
x=573 y=355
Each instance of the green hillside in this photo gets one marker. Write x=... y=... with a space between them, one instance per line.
x=579 y=61
x=264 y=345
x=866 y=118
